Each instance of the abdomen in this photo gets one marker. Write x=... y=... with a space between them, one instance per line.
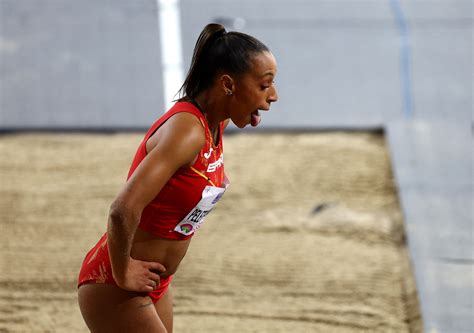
x=169 y=253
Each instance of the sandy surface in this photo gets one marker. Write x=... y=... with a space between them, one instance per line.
x=266 y=260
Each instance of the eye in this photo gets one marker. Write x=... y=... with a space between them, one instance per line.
x=267 y=85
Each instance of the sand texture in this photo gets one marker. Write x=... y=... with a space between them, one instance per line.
x=308 y=238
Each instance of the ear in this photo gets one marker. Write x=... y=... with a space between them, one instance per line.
x=227 y=84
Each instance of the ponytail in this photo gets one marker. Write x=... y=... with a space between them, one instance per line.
x=217 y=50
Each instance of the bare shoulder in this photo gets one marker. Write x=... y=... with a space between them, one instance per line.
x=182 y=128
x=174 y=145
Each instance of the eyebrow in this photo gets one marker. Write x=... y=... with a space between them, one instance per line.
x=268 y=73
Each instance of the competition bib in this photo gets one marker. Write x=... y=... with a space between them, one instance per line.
x=193 y=221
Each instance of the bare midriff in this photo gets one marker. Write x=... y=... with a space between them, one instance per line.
x=167 y=252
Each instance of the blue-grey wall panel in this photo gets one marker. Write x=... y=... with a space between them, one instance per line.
x=66 y=63
x=442 y=59
x=338 y=61
x=90 y=63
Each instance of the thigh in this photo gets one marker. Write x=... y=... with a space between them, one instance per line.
x=107 y=308
x=164 y=308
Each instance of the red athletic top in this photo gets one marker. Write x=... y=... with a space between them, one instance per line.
x=183 y=190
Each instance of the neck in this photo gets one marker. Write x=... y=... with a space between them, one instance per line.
x=213 y=108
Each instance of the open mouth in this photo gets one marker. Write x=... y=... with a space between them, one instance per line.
x=255 y=118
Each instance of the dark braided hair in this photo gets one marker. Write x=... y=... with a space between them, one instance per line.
x=217 y=50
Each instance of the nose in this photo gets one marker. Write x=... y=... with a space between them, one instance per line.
x=273 y=97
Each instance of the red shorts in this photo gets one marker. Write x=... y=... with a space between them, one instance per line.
x=96 y=268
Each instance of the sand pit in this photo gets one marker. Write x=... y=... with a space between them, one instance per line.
x=308 y=238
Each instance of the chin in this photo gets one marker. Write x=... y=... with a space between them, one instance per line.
x=239 y=125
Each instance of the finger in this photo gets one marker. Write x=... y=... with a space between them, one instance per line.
x=153 y=284
x=148 y=288
x=144 y=288
x=156 y=266
x=155 y=277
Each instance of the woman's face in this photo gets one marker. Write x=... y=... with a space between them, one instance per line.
x=254 y=91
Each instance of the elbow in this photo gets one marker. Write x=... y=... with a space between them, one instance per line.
x=119 y=213
x=116 y=213
x=122 y=218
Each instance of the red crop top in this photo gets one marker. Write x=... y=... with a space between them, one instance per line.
x=184 y=189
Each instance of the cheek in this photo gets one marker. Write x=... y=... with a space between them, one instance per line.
x=245 y=102
x=254 y=99
x=251 y=97
x=239 y=112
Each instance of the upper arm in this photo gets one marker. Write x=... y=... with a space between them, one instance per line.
x=180 y=140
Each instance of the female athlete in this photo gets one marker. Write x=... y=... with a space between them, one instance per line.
x=176 y=178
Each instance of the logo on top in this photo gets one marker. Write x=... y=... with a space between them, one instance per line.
x=207 y=155
x=214 y=165
x=187 y=228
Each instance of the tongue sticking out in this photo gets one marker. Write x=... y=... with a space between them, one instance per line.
x=255 y=118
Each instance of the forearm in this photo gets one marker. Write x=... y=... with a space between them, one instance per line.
x=120 y=232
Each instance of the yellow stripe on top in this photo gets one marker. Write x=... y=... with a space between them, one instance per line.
x=204 y=176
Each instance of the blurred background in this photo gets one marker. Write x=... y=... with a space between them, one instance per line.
x=402 y=68
x=99 y=64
